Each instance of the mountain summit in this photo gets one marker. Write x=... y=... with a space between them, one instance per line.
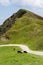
x=23 y=27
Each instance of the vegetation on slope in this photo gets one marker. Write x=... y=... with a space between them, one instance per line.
x=9 y=56
x=26 y=28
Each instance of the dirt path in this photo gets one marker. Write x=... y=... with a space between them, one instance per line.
x=24 y=48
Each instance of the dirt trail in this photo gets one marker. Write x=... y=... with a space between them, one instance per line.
x=24 y=48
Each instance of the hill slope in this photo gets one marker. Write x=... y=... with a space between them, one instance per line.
x=23 y=27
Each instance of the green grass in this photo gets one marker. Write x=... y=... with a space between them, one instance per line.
x=9 y=56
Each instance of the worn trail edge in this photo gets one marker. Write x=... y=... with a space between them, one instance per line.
x=24 y=48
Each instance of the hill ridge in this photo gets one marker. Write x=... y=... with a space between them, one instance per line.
x=11 y=20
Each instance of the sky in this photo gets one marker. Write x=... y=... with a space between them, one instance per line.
x=8 y=7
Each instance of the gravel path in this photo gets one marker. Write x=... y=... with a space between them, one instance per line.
x=24 y=48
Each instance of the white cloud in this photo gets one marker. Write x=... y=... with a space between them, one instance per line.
x=34 y=3
x=4 y=2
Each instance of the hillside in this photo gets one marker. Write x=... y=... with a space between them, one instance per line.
x=23 y=27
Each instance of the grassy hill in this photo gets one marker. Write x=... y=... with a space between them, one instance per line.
x=23 y=27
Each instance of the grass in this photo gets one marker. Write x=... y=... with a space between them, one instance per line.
x=9 y=56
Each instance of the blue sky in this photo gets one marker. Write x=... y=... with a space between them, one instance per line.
x=8 y=7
